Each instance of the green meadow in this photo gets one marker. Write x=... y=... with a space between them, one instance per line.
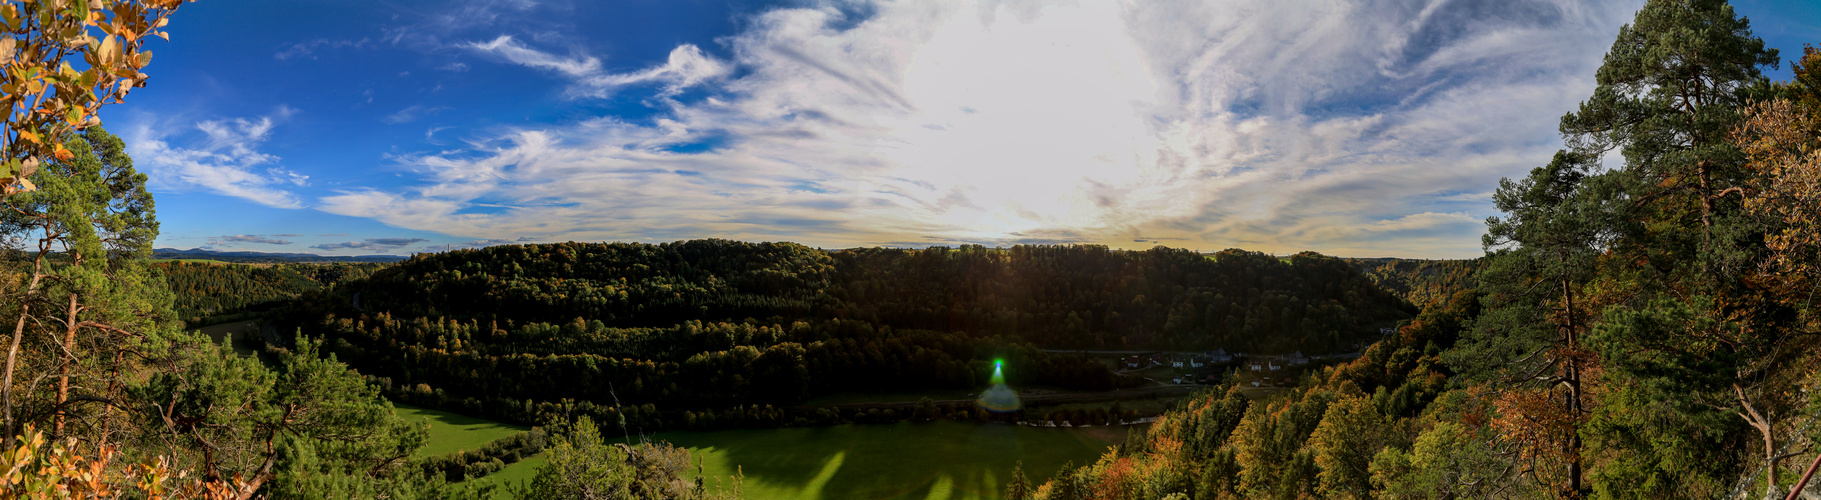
x=927 y=460
x=906 y=460
x=450 y=432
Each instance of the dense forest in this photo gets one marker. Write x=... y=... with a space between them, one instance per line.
x=205 y=290
x=1055 y=296
x=716 y=324
x=1421 y=281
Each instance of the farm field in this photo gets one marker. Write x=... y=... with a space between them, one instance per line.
x=921 y=460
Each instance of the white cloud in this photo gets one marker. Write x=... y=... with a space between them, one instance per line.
x=1345 y=127
x=225 y=159
x=686 y=67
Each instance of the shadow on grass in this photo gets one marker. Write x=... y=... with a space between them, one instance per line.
x=451 y=432
x=903 y=460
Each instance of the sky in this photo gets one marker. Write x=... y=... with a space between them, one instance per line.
x=1360 y=128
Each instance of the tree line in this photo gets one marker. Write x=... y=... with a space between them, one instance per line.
x=209 y=290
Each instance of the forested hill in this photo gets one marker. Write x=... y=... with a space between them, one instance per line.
x=618 y=284
x=1054 y=296
x=524 y=332
x=1421 y=281
x=1090 y=296
x=213 y=290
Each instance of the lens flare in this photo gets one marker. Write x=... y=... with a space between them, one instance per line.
x=998 y=398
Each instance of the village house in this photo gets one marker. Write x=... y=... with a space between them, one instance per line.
x=1296 y=359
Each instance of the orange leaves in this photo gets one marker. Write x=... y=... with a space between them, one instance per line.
x=1782 y=143
x=38 y=469
x=1542 y=427
x=46 y=98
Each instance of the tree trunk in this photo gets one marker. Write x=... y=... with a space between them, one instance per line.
x=1705 y=172
x=1572 y=378
x=63 y=371
x=12 y=354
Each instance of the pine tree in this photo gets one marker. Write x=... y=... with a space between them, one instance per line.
x=1019 y=488
x=1529 y=344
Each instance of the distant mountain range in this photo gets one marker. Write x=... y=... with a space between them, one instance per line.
x=197 y=253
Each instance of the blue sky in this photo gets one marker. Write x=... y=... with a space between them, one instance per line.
x=1354 y=128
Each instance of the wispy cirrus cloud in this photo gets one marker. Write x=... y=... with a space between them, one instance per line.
x=371 y=244
x=308 y=49
x=687 y=66
x=251 y=238
x=1354 y=128
x=221 y=155
x=412 y=113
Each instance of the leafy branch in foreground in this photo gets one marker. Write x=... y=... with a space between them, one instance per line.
x=46 y=97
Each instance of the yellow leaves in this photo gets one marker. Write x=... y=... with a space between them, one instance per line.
x=1782 y=143
x=46 y=96
x=109 y=51
x=21 y=185
x=63 y=154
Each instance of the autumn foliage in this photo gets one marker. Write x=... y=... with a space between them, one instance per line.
x=63 y=60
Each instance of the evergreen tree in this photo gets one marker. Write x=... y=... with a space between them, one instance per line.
x=1528 y=345
x=82 y=306
x=1018 y=488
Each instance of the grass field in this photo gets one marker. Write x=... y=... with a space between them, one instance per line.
x=233 y=332
x=888 y=397
x=450 y=432
x=930 y=460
